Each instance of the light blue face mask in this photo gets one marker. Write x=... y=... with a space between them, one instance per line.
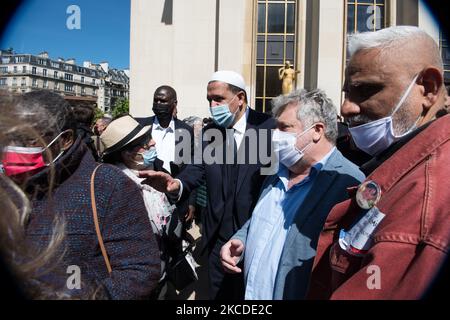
x=222 y=115
x=149 y=156
x=376 y=136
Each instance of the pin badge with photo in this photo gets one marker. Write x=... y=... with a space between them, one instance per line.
x=368 y=194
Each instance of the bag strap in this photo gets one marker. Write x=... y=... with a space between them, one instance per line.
x=96 y=223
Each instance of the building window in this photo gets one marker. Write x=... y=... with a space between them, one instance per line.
x=24 y=69
x=57 y=86
x=68 y=77
x=362 y=16
x=34 y=83
x=33 y=70
x=14 y=82
x=445 y=52
x=24 y=82
x=93 y=81
x=3 y=82
x=83 y=90
x=82 y=79
x=19 y=59
x=3 y=69
x=365 y=15
x=41 y=61
x=55 y=74
x=45 y=83
x=55 y=65
x=44 y=72
x=68 y=87
x=15 y=69
x=276 y=44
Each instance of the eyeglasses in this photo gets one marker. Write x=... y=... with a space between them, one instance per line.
x=143 y=142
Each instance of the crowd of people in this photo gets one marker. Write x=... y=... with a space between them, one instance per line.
x=302 y=203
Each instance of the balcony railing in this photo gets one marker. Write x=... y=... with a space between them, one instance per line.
x=47 y=76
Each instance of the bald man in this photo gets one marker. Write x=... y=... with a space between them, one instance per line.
x=394 y=250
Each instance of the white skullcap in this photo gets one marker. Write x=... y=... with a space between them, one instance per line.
x=229 y=77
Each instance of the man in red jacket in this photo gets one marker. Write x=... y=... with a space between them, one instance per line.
x=393 y=242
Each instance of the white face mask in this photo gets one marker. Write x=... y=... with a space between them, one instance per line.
x=285 y=146
x=376 y=136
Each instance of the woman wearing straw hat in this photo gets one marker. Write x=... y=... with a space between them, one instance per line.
x=129 y=146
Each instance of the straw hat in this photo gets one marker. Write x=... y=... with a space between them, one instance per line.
x=121 y=132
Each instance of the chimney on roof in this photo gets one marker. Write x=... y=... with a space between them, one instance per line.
x=60 y=60
x=43 y=54
x=70 y=61
x=105 y=66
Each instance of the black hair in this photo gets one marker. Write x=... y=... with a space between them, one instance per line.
x=236 y=90
x=83 y=113
x=171 y=92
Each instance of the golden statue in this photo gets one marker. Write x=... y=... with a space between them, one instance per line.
x=288 y=75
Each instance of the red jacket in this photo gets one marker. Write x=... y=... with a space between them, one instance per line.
x=412 y=241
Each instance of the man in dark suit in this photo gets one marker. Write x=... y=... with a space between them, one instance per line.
x=167 y=130
x=233 y=187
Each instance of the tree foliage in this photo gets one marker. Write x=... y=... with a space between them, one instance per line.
x=121 y=107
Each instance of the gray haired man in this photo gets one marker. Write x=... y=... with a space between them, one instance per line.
x=278 y=243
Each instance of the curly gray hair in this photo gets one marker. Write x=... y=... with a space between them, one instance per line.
x=313 y=106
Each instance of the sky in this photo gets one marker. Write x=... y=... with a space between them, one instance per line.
x=103 y=34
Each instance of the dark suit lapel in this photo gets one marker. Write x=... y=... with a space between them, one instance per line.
x=150 y=122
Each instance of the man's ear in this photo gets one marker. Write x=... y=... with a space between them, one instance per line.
x=67 y=139
x=241 y=96
x=319 y=131
x=432 y=81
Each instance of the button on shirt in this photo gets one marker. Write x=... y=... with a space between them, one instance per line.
x=271 y=220
x=165 y=142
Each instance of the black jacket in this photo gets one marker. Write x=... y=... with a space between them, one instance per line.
x=176 y=168
x=246 y=186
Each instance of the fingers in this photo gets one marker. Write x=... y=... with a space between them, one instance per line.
x=230 y=268
x=173 y=186
x=189 y=215
x=237 y=247
x=227 y=257
x=147 y=174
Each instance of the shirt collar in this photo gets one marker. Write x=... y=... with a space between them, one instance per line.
x=241 y=125
x=157 y=126
x=283 y=171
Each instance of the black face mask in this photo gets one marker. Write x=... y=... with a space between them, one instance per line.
x=163 y=112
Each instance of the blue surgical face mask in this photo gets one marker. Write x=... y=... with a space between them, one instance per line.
x=222 y=115
x=149 y=156
x=376 y=136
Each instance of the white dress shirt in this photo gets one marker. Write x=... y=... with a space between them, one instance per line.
x=165 y=142
x=239 y=128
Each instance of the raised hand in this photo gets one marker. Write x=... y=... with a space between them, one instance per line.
x=160 y=181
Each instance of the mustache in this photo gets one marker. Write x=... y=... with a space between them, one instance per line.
x=358 y=120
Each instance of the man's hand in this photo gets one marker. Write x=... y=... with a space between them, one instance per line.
x=160 y=181
x=230 y=255
x=190 y=213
